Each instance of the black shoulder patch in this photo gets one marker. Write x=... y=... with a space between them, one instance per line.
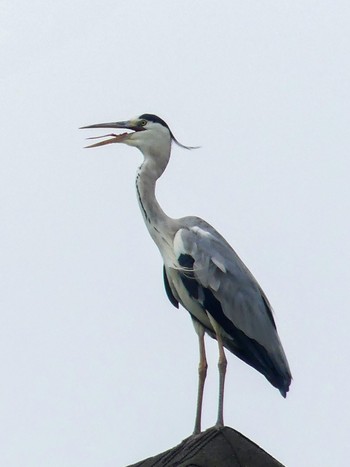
x=186 y=261
x=155 y=119
x=168 y=290
x=187 y=276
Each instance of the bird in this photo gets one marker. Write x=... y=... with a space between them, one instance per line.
x=201 y=271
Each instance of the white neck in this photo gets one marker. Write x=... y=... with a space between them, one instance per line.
x=158 y=223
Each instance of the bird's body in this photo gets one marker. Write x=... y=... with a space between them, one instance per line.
x=202 y=272
x=211 y=278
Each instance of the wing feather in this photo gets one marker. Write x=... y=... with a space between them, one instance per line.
x=173 y=300
x=216 y=277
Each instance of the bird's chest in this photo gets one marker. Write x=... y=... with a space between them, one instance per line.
x=164 y=244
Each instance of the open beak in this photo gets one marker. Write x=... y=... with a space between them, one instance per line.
x=115 y=138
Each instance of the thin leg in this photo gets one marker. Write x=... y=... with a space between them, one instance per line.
x=222 y=364
x=202 y=373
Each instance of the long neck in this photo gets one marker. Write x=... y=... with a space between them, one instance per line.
x=155 y=218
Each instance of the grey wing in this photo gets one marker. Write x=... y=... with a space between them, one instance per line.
x=218 y=281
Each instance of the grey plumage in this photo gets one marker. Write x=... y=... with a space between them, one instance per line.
x=202 y=272
x=227 y=290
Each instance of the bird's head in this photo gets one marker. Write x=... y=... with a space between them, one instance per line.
x=147 y=133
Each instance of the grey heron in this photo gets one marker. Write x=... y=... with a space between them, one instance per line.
x=201 y=271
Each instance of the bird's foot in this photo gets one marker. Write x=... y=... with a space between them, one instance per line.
x=219 y=425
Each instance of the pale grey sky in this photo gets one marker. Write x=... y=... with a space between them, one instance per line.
x=92 y=354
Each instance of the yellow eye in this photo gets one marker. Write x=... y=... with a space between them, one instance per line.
x=143 y=122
